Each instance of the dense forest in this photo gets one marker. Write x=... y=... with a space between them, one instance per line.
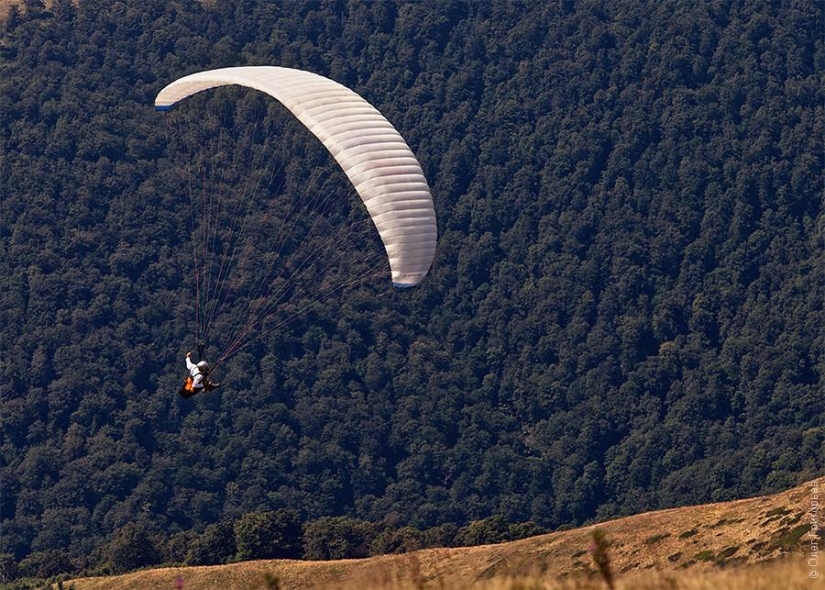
x=625 y=311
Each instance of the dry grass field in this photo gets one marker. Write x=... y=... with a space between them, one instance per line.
x=5 y=4
x=757 y=543
x=4 y=7
x=785 y=574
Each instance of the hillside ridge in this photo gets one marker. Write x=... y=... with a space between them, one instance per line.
x=704 y=537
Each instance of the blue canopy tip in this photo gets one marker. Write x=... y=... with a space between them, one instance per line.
x=160 y=107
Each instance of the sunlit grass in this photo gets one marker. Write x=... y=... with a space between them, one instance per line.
x=784 y=574
x=754 y=544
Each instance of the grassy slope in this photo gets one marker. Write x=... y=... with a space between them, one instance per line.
x=4 y=8
x=707 y=546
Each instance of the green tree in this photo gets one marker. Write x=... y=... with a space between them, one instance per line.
x=8 y=568
x=443 y=535
x=337 y=537
x=268 y=535
x=132 y=547
x=391 y=540
x=46 y=564
x=214 y=546
x=494 y=529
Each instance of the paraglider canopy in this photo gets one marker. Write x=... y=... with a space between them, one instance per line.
x=374 y=156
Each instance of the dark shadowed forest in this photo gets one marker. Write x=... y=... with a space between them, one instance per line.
x=625 y=311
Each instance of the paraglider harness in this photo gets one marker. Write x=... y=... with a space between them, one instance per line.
x=188 y=389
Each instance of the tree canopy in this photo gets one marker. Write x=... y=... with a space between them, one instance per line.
x=625 y=310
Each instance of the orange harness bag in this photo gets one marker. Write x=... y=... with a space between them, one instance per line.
x=188 y=389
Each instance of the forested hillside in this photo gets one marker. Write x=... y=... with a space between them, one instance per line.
x=625 y=310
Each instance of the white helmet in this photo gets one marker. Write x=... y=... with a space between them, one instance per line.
x=203 y=365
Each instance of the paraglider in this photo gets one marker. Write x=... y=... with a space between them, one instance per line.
x=198 y=379
x=374 y=157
